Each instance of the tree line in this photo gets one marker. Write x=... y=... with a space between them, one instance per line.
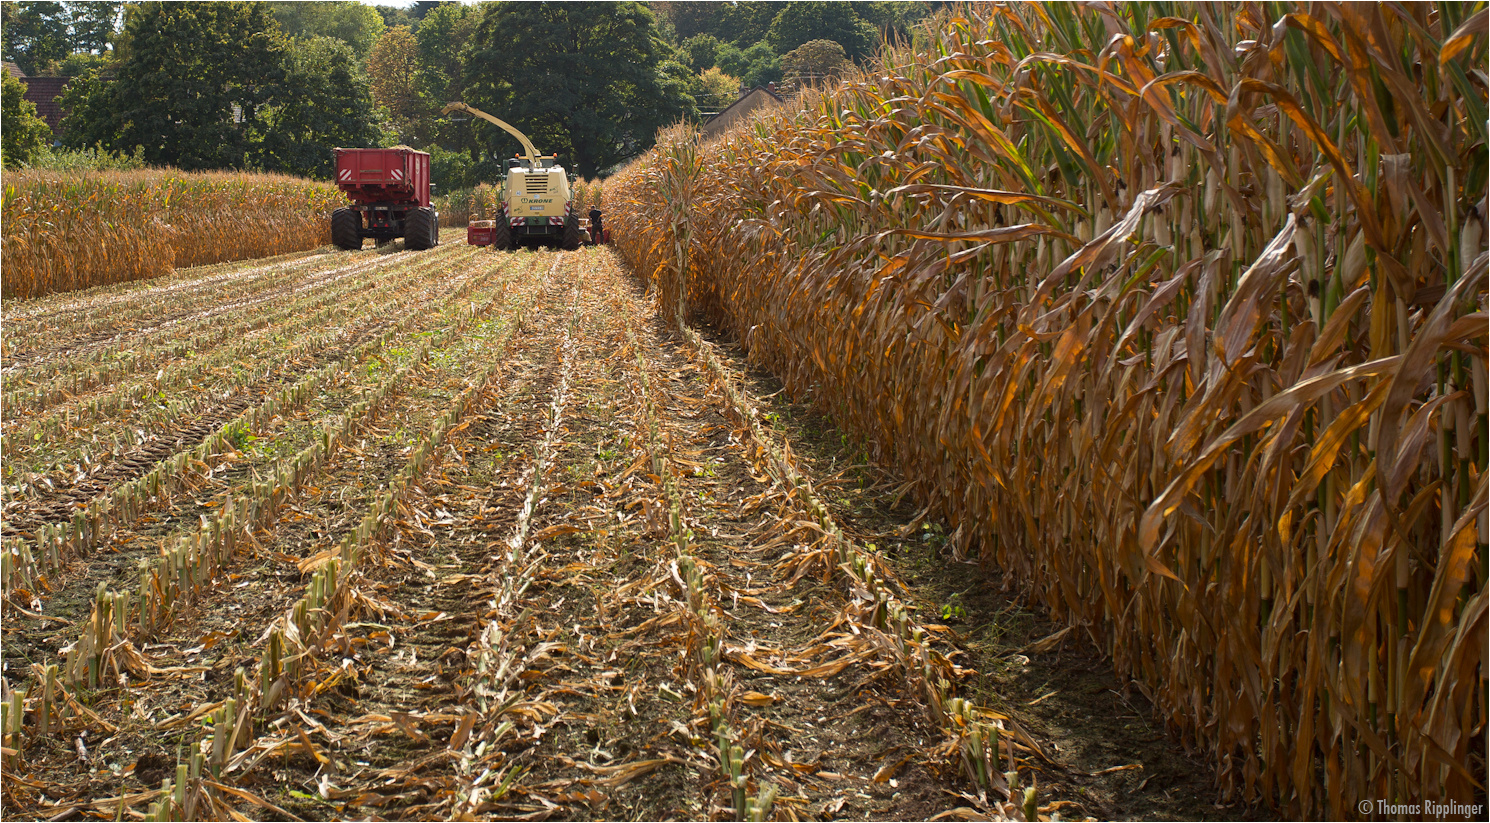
x=275 y=85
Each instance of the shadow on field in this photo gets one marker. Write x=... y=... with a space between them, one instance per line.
x=1111 y=756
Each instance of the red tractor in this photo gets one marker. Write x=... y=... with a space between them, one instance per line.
x=389 y=190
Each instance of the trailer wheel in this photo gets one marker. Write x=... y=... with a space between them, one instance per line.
x=419 y=229
x=501 y=234
x=345 y=223
x=570 y=240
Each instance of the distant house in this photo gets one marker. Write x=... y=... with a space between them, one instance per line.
x=43 y=91
x=749 y=101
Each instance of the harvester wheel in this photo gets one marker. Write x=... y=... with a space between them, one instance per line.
x=501 y=234
x=570 y=241
x=419 y=229
x=344 y=226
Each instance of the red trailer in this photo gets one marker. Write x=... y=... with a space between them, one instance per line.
x=389 y=190
x=481 y=232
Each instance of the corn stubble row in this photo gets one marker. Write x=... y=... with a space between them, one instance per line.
x=1177 y=313
x=75 y=231
x=188 y=566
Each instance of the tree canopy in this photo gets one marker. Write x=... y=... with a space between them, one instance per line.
x=237 y=84
x=755 y=66
x=814 y=61
x=821 y=20
x=331 y=106
x=357 y=25
x=584 y=79
x=219 y=85
x=35 y=34
x=39 y=36
x=393 y=70
x=742 y=24
x=25 y=134
x=701 y=50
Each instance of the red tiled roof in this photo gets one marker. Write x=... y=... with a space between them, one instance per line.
x=13 y=70
x=43 y=91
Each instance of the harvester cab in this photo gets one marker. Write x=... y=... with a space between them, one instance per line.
x=537 y=198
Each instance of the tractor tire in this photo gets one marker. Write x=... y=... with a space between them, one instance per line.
x=419 y=229
x=345 y=223
x=501 y=234
x=570 y=240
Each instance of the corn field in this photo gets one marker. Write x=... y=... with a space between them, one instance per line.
x=459 y=207
x=68 y=231
x=1176 y=312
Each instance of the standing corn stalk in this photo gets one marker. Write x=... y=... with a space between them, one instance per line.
x=1176 y=312
x=67 y=231
x=673 y=185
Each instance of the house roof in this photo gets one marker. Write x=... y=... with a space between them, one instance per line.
x=43 y=91
x=13 y=70
x=748 y=101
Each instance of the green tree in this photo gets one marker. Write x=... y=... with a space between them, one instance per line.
x=25 y=134
x=701 y=50
x=739 y=23
x=814 y=61
x=355 y=24
x=442 y=38
x=196 y=79
x=755 y=66
x=893 y=20
x=81 y=62
x=718 y=89
x=332 y=106
x=396 y=16
x=583 y=79
x=34 y=35
x=676 y=81
x=820 y=20
x=393 y=70
x=422 y=8
x=442 y=35
x=89 y=117
x=92 y=25
x=749 y=21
